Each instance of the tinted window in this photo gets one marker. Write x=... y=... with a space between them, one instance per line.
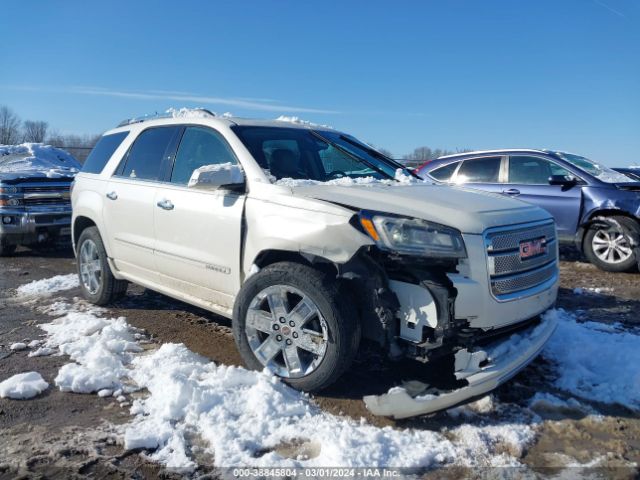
x=145 y=157
x=481 y=170
x=444 y=173
x=102 y=152
x=199 y=146
x=533 y=170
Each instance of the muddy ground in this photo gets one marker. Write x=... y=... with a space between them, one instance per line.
x=67 y=435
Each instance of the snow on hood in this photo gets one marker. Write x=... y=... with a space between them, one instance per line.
x=31 y=158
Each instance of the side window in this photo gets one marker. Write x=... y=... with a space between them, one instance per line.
x=444 y=173
x=479 y=170
x=199 y=146
x=533 y=170
x=102 y=152
x=145 y=158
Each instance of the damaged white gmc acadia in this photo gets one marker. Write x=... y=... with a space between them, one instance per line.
x=312 y=241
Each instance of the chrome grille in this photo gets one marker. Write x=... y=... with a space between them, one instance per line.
x=498 y=241
x=54 y=193
x=511 y=275
x=52 y=188
x=516 y=283
x=57 y=200
x=510 y=262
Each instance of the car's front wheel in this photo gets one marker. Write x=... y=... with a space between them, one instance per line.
x=97 y=283
x=610 y=245
x=294 y=321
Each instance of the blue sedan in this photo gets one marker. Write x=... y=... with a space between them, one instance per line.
x=595 y=207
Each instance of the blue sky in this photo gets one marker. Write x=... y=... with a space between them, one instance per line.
x=469 y=74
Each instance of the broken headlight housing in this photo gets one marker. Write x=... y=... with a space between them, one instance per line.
x=413 y=236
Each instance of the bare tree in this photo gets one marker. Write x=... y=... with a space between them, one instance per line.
x=9 y=126
x=35 y=131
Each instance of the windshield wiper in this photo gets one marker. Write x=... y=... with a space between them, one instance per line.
x=375 y=153
x=355 y=157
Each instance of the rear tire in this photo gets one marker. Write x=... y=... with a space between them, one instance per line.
x=97 y=282
x=610 y=247
x=309 y=339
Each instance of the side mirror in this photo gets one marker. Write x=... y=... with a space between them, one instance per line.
x=563 y=180
x=212 y=177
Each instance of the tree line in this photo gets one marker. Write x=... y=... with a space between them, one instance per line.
x=14 y=130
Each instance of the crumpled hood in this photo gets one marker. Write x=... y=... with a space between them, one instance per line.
x=469 y=211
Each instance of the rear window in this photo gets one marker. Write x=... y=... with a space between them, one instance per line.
x=102 y=152
x=147 y=154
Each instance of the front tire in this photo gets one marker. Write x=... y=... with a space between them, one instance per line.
x=609 y=245
x=295 y=321
x=97 y=282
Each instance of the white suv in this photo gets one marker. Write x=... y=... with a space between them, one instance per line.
x=311 y=241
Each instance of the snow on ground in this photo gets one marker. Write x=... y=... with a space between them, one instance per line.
x=248 y=418
x=596 y=361
x=48 y=286
x=244 y=416
x=23 y=386
x=37 y=157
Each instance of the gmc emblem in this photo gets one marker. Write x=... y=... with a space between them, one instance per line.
x=533 y=248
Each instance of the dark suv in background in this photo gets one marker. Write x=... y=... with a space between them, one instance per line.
x=594 y=206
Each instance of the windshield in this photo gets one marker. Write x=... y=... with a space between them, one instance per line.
x=305 y=154
x=601 y=172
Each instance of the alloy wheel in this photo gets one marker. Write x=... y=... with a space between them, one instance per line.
x=611 y=246
x=90 y=266
x=286 y=331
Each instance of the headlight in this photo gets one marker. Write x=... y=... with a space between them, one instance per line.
x=10 y=190
x=412 y=236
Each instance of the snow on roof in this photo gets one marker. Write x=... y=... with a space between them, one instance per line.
x=299 y=121
x=37 y=157
x=190 y=112
x=501 y=150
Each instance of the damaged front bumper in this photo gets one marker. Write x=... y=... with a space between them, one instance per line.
x=502 y=360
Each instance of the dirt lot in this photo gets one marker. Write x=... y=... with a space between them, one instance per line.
x=62 y=434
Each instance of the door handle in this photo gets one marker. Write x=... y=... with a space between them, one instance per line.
x=112 y=195
x=165 y=204
x=511 y=191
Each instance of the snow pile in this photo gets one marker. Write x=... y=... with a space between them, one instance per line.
x=23 y=386
x=18 y=346
x=596 y=361
x=100 y=348
x=226 y=174
x=401 y=178
x=189 y=112
x=248 y=418
x=36 y=157
x=245 y=416
x=48 y=286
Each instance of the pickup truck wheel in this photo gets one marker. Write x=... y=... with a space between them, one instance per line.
x=294 y=320
x=6 y=250
x=609 y=246
x=97 y=283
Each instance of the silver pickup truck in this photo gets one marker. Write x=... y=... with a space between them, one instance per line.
x=35 y=206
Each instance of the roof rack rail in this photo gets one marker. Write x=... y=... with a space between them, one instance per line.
x=171 y=113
